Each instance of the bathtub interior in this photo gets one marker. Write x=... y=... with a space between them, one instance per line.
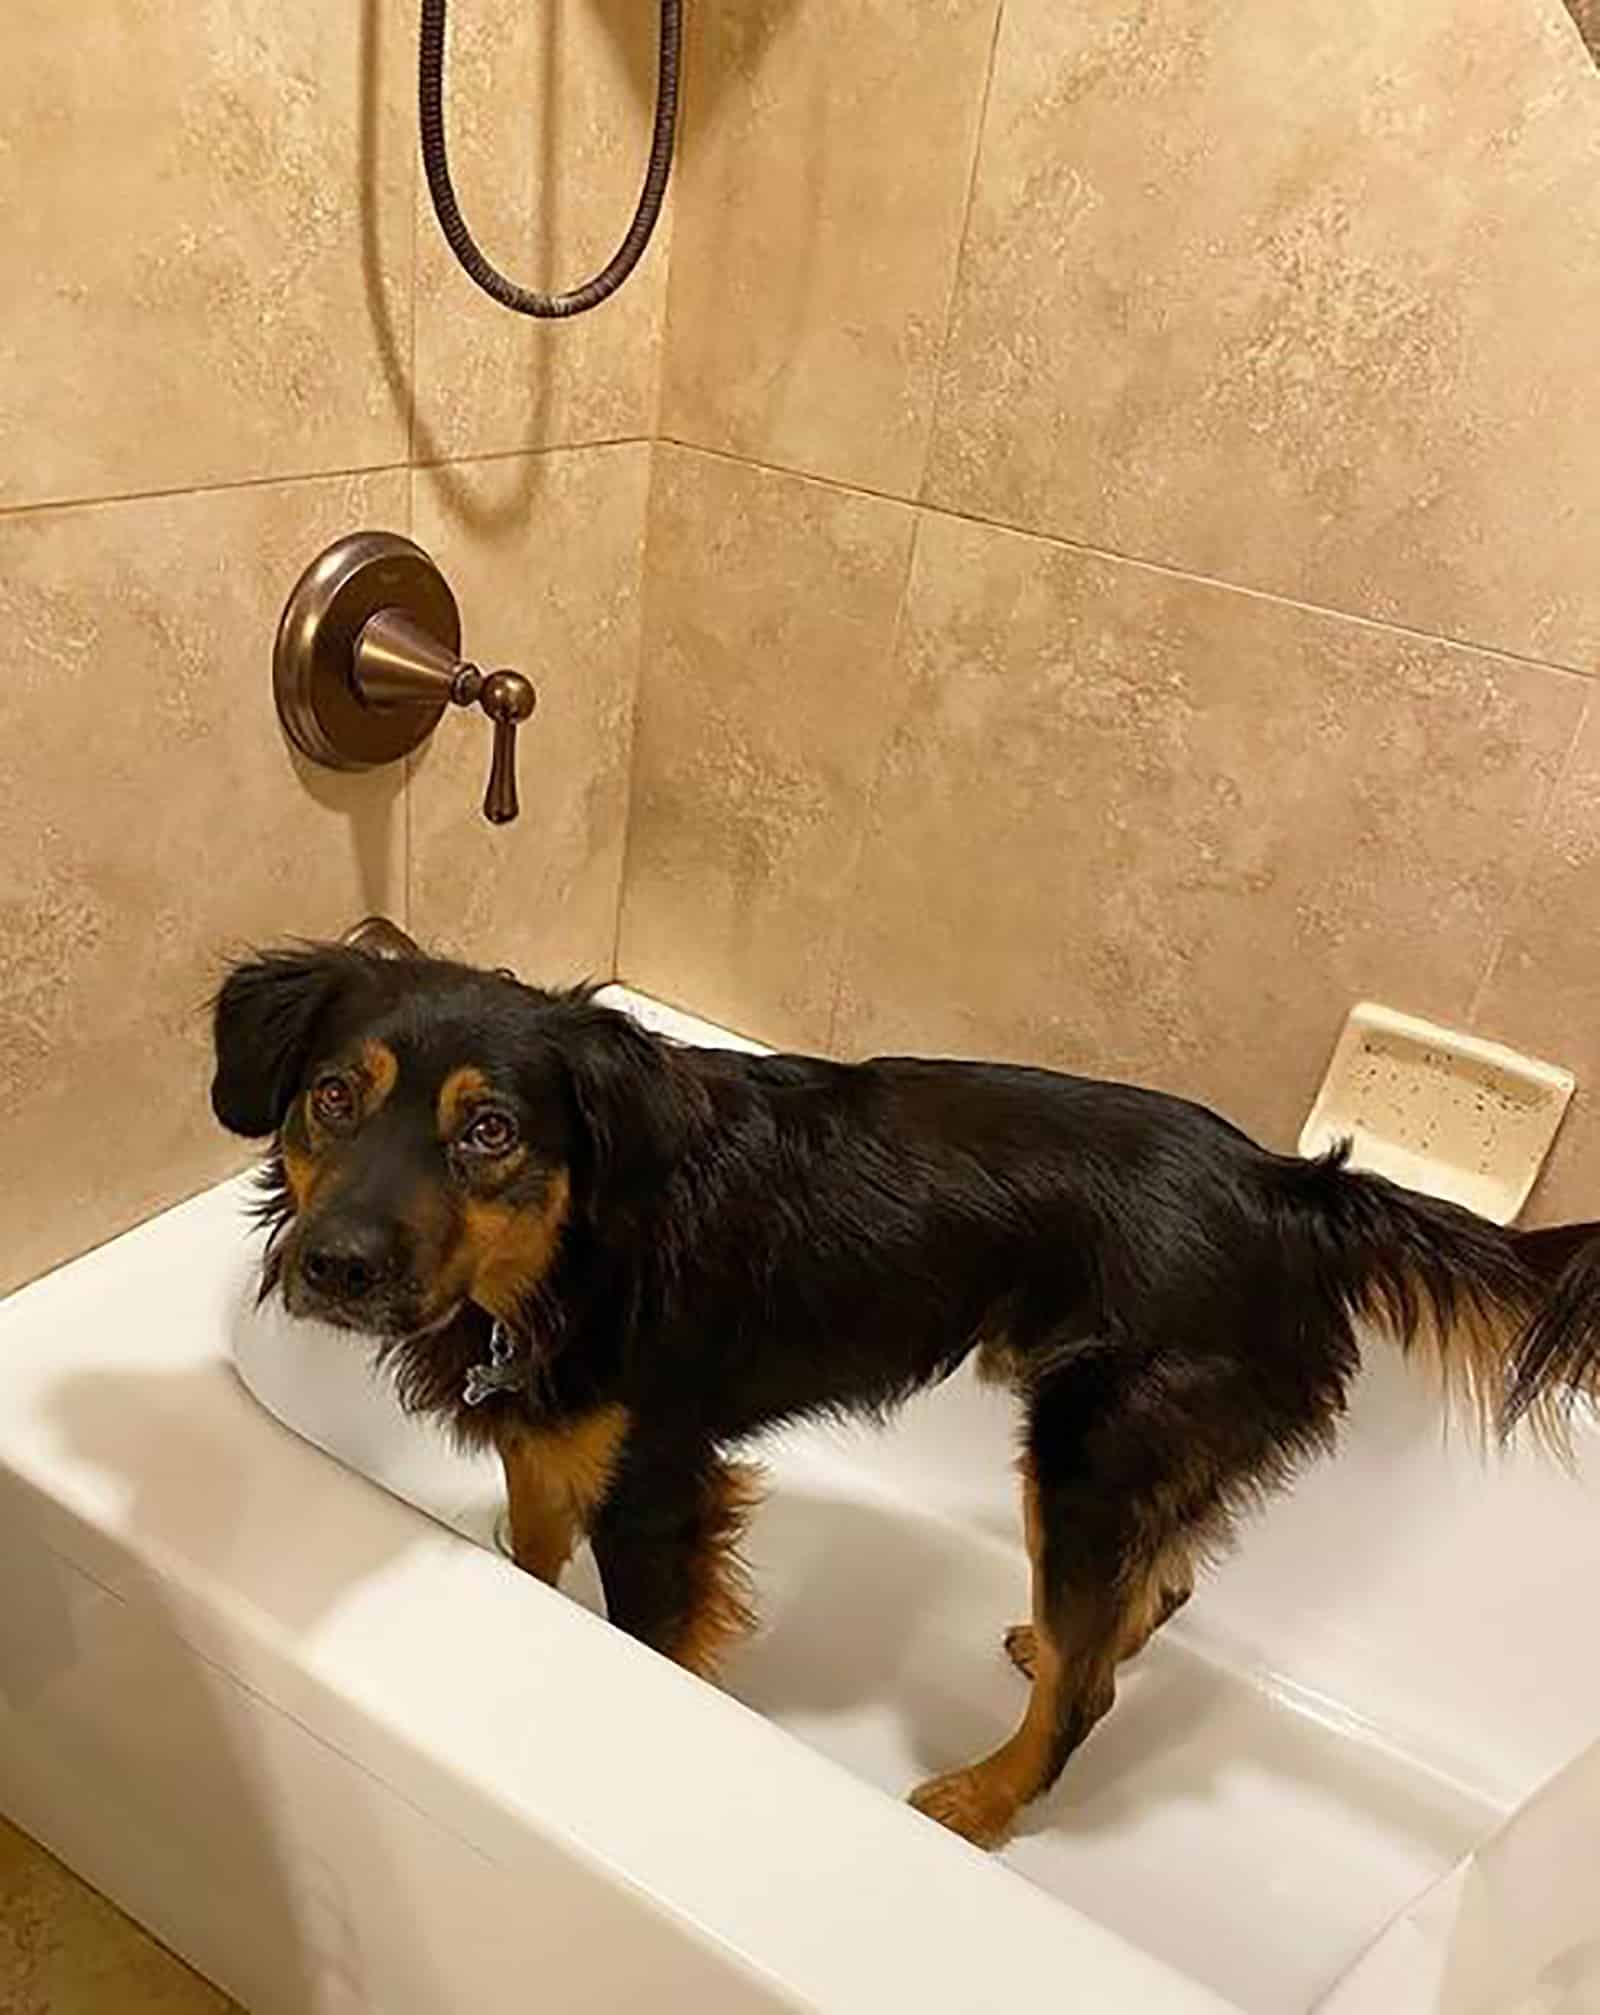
x=1389 y=1662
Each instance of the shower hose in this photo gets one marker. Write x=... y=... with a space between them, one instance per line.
x=436 y=164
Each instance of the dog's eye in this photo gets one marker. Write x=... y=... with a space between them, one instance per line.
x=333 y=1103
x=490 y=1133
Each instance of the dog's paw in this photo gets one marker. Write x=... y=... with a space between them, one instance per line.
x=968 y=1805
x=1022 y=1648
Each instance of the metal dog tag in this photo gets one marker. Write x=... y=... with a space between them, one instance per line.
x=499 y=1375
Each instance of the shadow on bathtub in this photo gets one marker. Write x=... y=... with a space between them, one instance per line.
x=187 y=1484
x=881 y=1642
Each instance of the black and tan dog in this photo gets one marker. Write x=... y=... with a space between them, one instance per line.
x=615 y=1259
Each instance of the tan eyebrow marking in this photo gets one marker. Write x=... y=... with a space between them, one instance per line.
x=457 y=1092
x=380 y=1067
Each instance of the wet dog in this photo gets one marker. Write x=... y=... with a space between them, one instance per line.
x=616 y=1259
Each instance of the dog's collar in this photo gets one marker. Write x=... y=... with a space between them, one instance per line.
x=500 y=1374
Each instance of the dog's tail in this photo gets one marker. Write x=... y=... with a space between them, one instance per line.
x=1559 y=1352
x=1511 y=1319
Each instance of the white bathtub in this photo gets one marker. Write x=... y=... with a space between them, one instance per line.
x=343 y=1757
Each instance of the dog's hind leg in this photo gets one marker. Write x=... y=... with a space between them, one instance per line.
x=1112 y=1508
x=1021 y=1646
x=1097 y=1596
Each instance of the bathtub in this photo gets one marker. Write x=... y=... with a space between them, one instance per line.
x=266 y=1681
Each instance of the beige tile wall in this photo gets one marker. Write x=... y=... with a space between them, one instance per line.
x=767 y=600
x=1119 y=576
x=549 y=550
x=227 y=333
x=1121 y=573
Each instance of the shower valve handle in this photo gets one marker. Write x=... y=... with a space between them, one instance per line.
x=368 y=660
x=508 y=699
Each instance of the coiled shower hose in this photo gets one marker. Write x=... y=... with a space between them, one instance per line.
x=436 y=164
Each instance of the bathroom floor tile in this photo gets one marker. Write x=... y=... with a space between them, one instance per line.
x=64 y=1950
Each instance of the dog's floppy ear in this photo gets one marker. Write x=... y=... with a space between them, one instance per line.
x=264 y=1021
x=637 y=1107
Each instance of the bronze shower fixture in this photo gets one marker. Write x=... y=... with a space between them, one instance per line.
x=368 y=657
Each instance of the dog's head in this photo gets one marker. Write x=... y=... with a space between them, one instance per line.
x=438 y=1130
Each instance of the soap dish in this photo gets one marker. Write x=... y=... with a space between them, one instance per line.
x=1442 y=1112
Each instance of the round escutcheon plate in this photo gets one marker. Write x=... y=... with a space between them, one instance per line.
x=313 y=660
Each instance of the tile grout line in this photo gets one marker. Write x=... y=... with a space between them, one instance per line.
x=932 y=433
x=287 y=479
x=408 y=773
x=408 y=920
x=546 y=448
x=851 y=886
x=1480 y=992
x=1167 y=568
x=681 y=147
x=165 y=493
x=411 y=358
x=408 y=823
x=652 y=468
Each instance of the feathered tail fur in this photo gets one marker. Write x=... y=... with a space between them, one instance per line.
x=1510 y=1318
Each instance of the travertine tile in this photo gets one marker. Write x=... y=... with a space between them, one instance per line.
x=206 y=242
x=1143 y=827
x=1300 y=298
x=549 y=113
x=765 y=688
x=1543 y=992
x=1586 y=16
x=545 y=554
x=153 y=821
x=66 y=1951
x=821 y=193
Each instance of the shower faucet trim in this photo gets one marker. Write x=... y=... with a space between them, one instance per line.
x=367 y=659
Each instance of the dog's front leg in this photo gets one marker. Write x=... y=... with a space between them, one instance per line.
x=666 y=1541
x=557 y=1477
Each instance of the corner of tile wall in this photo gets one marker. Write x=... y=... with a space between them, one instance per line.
x=1020 y=795
x=232 y=334
x=823 y=182
x=765 y=693
x=549 y=116
x=546 y=555
x=154 y=823
x=1241 y=670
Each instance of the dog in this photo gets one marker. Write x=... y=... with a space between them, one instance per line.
x=614 y=1260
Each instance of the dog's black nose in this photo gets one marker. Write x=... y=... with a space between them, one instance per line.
x=348 y=1265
